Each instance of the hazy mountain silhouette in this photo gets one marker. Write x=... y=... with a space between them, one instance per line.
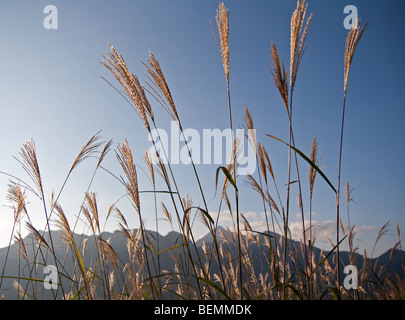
x=392 y=263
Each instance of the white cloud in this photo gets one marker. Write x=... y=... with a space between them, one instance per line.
x=321 y=230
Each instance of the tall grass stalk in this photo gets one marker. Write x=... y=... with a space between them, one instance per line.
x=312 y=176
x=222 y=19
x=297 y=49
x=353 y=37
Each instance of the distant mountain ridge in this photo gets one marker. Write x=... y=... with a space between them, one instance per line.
x=392 y=263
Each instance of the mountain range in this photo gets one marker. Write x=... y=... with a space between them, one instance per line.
x=393 y=263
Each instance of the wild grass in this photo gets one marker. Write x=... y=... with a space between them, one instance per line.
x=239 y=262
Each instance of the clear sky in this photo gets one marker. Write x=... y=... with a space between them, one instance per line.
x=51 y=90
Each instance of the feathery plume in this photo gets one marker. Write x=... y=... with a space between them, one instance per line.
x=63 y=224
x=90 y=211
x=84 y=247
x=314 y=159
x=30 y=164
x=250 y=132
x=222 y=19
x=297 y=39
x=121 y=217
x=162 y=92
x=166 y=212
x=17 y=197
x=105 y=151
x=21 y=246
x=262 y=161
x=87 y=151
x=35 y=233
x=149 y=163
x=108 y=252
x=279 y=74
x=20 y=290
x=353 y=38
x=130 y=83
x=348 y=193
x=124 y=156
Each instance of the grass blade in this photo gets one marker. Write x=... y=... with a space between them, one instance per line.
x=311 y=163
x=206 y=214
x=228 y=176
x=167 y=249
x=327 y=256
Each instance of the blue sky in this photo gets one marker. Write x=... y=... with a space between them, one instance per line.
x=51 y=90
